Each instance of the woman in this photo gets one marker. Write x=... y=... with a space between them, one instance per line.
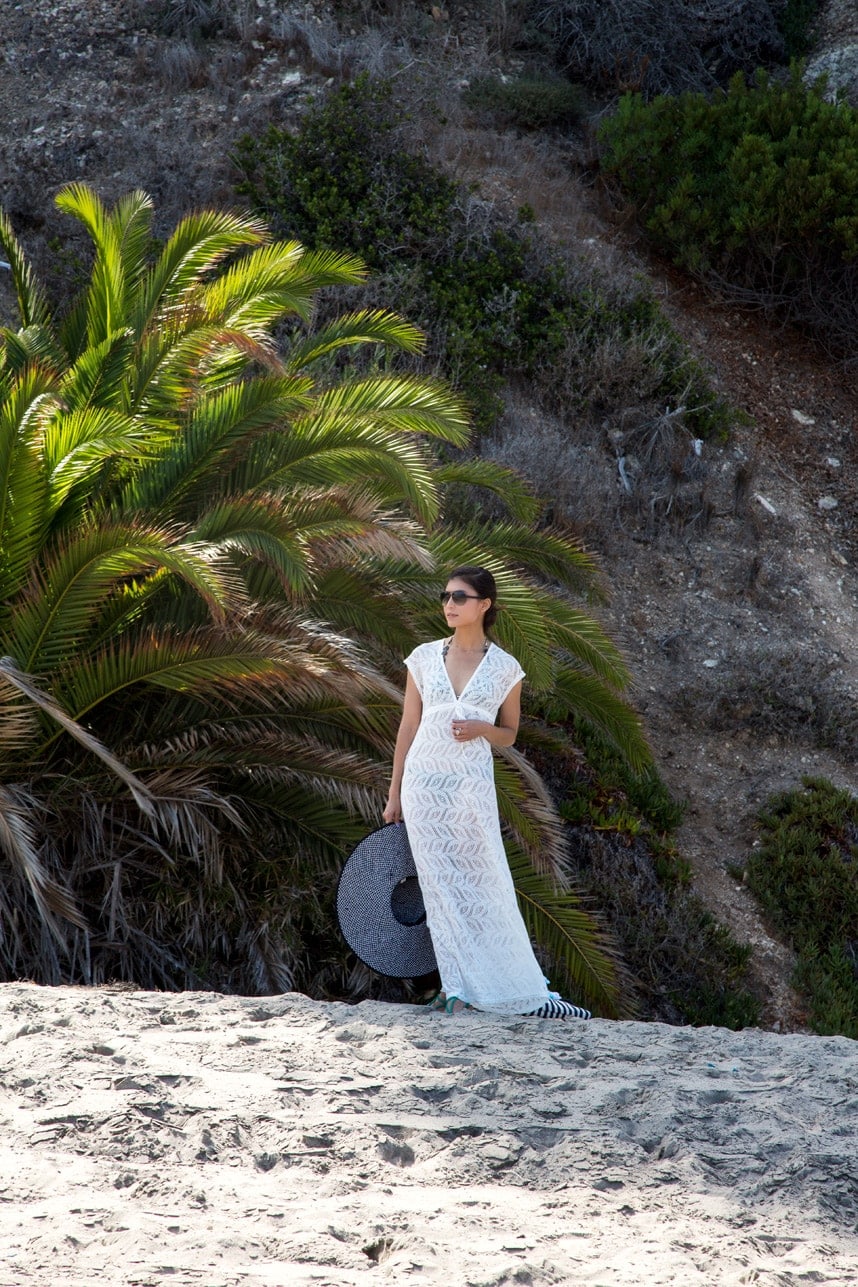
x=462 y=697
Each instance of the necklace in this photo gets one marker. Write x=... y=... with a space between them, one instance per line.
x=447 y=642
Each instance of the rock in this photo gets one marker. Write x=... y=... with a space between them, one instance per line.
x=836 y=52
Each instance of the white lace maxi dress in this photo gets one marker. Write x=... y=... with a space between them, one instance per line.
x=450 y=810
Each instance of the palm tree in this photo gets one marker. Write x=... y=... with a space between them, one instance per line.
x=212 y=540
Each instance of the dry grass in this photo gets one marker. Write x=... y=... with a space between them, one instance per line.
x=793 y=693
x=570 y=469
x=180 y=64
x=666 y=48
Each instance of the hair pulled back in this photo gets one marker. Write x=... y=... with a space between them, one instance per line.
x=483 y=584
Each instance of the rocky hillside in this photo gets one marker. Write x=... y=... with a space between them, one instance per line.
x=740 y=625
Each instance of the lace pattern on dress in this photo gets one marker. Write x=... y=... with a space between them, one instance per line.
x=450 y=809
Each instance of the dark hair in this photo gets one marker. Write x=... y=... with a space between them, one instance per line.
x=484 y=584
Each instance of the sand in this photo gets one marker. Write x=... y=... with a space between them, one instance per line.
x=152 y=1138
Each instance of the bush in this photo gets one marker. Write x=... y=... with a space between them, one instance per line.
x=663 y=48
x=756 y=188
x=531 y=102
x=494 y=302
x=805 y=874
x=795 y=24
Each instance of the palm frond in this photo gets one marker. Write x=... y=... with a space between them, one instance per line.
x=220 y=428
x=529 y=814
x=98 y=377
x=505 y=483
x=590 y=700
x=23 y=485
x=297 y=537
x=106 y=292
x=399 y=403
x=63 y=601
x=586 y=644
x=199 y=662
x=275 y=280
x=32 y=301
x=176 y=362
x=20 y=847
x=72 y=328
x=261 y=532
x=77 y=444
x=365 y=327
x=550 y=555
x=270 y=972
x=195 y=248
x=131 y=223
x=31 y=346
x=265 y=764
x=391 y=469
x=570 y=938
x=18 y=725
x=365 y=604
x=26 y=685
x=361 y=544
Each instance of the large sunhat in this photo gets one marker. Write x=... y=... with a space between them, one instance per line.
x=380 y=906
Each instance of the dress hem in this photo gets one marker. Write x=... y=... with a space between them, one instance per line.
x=520 y=1006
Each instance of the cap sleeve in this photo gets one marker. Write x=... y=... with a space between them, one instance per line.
x=512 y=675
x=414 y=663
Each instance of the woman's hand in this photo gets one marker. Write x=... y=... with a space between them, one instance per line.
x=393 y=808
x=465 y=730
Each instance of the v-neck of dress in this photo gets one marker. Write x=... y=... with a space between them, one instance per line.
x=459 y=696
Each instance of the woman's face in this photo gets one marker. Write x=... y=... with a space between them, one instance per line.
x=469 y=613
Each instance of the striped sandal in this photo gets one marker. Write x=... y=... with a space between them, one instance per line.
x=560 y=1010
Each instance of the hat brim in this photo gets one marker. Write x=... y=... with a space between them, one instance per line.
x=380 y=906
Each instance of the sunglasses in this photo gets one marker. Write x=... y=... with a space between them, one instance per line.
x=458 y=596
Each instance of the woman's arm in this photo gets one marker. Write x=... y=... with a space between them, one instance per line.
x=412 y=711
x=503 y=733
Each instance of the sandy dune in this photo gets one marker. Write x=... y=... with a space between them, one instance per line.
x=154 y=1138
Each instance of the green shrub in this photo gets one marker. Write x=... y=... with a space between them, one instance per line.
x=531 y=102
x=795 y=25
x=756 y=187
x=805 y=875
x=345 y=181
x=495 y=303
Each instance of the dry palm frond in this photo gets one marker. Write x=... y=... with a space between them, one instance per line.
x=26 y=685
x=18 y=723
x=19 y=825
